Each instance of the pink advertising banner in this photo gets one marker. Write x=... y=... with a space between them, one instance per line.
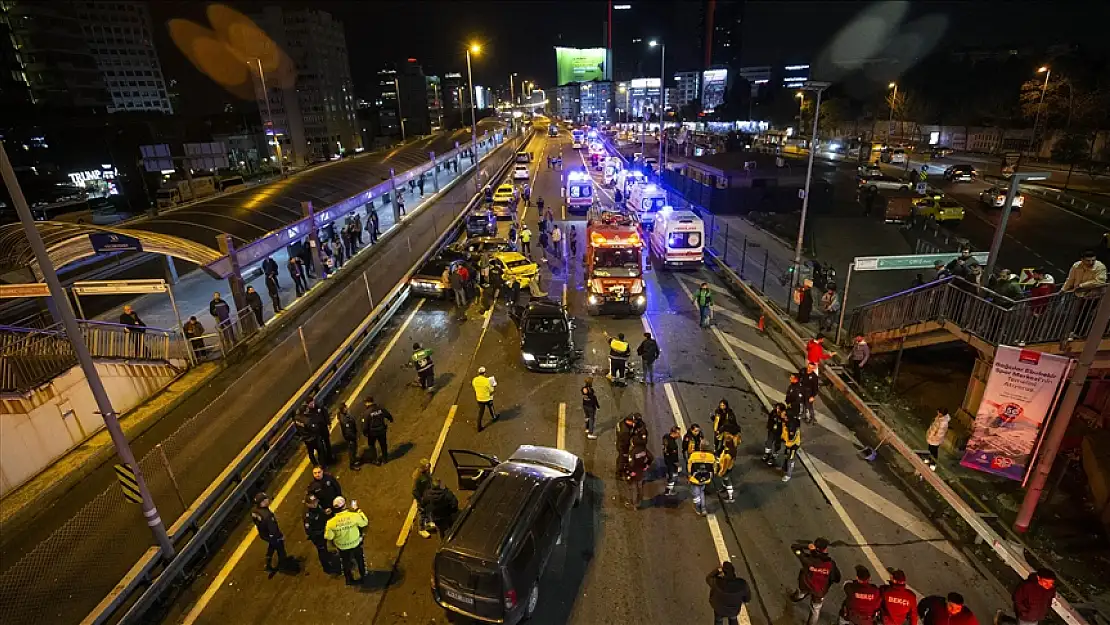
x=1020 y=393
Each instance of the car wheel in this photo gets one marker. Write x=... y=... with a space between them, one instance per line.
x=533 y=601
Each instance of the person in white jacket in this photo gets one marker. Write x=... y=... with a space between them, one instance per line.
x=934 y=437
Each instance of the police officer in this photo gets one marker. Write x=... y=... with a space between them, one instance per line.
x=776 y=419
x=322 y=422
x=700 y=467
x=818 y=574
x=325 y=488
x=619 y=351
x=348 y=423
x=861 y=600
x=306 y=433
x=671 y=457
x=375 y=427
x=344 y=530
x=726 y=457
x=631 y=430
x=425 y=368
x=266 y=524
x=315 y=522
x=896 y=602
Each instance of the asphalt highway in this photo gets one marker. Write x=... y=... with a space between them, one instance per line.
x=619 y=565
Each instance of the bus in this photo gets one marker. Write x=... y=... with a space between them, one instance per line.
x=578 y=138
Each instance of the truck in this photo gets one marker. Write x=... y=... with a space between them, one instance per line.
x=646 y=200
x=176 y=192
x=614 y=262
x=677 y=239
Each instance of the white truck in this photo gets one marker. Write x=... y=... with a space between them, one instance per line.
x=677 y=238
x=175 y=192
x=646 y=199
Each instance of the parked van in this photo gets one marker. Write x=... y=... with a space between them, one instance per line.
x=678 y=238
x=489 y=566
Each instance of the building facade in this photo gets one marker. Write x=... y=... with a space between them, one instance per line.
x=595 y=101
x=687 y=89
x=120 y=37
x=566 y=102
x=434 y=92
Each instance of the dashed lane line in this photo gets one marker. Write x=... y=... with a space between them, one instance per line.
x=410 y=518
x=735 y=316
x=762 y=354
x=561 y=433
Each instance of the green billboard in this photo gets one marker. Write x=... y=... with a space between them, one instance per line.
x=581 y=64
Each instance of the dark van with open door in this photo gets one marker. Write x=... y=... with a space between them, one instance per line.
x=489 y=566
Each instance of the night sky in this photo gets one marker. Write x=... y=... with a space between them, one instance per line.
x=518 y=36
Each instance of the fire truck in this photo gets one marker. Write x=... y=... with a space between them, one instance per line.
x=614 y=262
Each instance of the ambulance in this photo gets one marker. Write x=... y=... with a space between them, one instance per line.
x=646 y=200
x=579 y=191
x=677 y=238
x=628 y=177
x=613 y=168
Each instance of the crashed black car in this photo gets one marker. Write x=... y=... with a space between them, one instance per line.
x=546 y=339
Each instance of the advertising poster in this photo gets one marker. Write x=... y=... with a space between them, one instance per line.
x=581 y=64
x=1020 y=392
x=714 y=83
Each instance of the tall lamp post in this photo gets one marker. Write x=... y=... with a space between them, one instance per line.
x=662 y=94
x=473 y=48
x=893 y=101
x=257 y=62
x=400 y=117
x=801 y=95
x=1047 y=71
x=819 y=87
x=1000 y=230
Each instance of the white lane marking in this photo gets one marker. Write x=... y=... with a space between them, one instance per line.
x=293 y=478
x=564 y=294
x=735 y=316
x=488 y=315
x=889 y=509
x=823 y=420
x=676 y=412
x=561 y=433
x=410 y=518
x=712 y=287
x=761 y=353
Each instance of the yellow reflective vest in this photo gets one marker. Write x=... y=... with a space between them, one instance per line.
x=700 y=467
x=343 y=529
x=618 y=349
x=483 y=390
x=525 y=236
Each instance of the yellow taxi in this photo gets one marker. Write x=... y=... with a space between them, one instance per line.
x=503 y=194
x=939 y=208
x=513 y=266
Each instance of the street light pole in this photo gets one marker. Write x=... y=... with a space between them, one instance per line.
x=400 y=117
x=662 y=99
x=819 y=87
x=1040 y=103
x=270 y=118
x=1007 y=208
x=76 y=339
x=890 y=122
x=473 y=117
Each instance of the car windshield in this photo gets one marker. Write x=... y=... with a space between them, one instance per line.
x=581 y=190
x=948 y=204
x=545 y=325
x=520 y=262
x=617 y=257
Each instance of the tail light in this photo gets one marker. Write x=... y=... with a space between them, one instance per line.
x=1001 y=199
x=1019 y=200
x=510 y=599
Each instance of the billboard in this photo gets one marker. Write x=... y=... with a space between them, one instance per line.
x=581 y=65
x=1020 y=393
x=714 y=82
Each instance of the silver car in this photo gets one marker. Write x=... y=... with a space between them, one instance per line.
x=995 y=197
x=874 y=183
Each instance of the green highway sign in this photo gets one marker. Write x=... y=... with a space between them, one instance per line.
x=909 y=261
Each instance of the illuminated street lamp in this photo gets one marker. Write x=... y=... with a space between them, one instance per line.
x=893 y=100
x=1044 y=69
x=801 y=103
x=473 y=48
x=819 y=87
x=662 y=95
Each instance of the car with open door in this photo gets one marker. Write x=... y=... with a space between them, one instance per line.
x=546 y=335
x=489 y=565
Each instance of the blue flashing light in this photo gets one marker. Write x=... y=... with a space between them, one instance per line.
x=578 y=175
x=652 y=188
x=666 y=210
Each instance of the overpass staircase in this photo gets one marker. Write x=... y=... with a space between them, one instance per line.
x=954 y=309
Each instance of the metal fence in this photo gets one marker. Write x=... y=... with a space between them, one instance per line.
x=60 y=577
x=1059 y=317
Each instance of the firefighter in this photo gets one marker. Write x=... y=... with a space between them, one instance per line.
x=700 y=467
x=671 y=457
x=818 y=574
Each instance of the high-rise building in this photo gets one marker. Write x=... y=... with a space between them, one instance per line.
x=758 y=77
x=595 y=101
x=389 y=111
x=120 y=37
x=413 y=87
x=567 y=101
x=435 y=102
x=627 y=40
x=314 y=118
x=721 y=31
x=687 y=90
x=48 y=61
x=455 y=100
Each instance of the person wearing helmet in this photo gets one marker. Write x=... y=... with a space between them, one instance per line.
x=266 y=524
x=425 y=369
x=344 y=530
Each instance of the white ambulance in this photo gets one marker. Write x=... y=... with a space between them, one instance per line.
x=646 y=199
x=677 y=239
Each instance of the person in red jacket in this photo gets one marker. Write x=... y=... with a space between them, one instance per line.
x=948 y=611
x=861 y=600
x=1032 y=599
x=896 y=602
x=818 y=574
x=815 y=351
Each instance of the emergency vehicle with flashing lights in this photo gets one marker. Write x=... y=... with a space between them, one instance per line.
x=677 y=238
x=627 y=178
x=579 y=191
x=614 y=262
x=646 y=200
x=612 y=169
x=577 y=138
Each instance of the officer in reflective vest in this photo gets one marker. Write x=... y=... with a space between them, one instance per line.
x=619 y=351
x=700 y=467
x=344 y=530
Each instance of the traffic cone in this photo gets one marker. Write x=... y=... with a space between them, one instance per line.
x=762 y=327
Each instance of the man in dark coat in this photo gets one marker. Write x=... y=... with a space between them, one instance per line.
x=254 y=300
x=727 y=593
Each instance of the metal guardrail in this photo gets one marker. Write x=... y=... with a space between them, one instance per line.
x=32 y=357
x=1066 y=199
x=1016 y=561
x=201 y=521
x=1060 y=317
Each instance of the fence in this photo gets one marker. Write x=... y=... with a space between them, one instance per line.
x=61 y=577
x=1059 y=317
x=1065 y=199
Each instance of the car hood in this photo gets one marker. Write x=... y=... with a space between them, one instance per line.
x=546 y=344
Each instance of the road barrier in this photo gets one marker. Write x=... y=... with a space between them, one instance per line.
x=147 y=582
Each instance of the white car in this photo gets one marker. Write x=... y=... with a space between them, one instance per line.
x=520 y=172
x=503 y=194
x=995 y=197
x=874 y=183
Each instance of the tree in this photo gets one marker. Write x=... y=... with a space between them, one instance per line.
x=1071 y=149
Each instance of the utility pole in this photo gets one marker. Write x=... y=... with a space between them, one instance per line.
x=1007 y=208
x=1063 y=415
x=819 y=87
x=73 y=332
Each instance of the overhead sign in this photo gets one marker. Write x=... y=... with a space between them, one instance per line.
x=112 y=242
x=30 y=289
x=1021 y=390
x=119 y=287
x=909 y=261
x=581 y=65
x=128 y=483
